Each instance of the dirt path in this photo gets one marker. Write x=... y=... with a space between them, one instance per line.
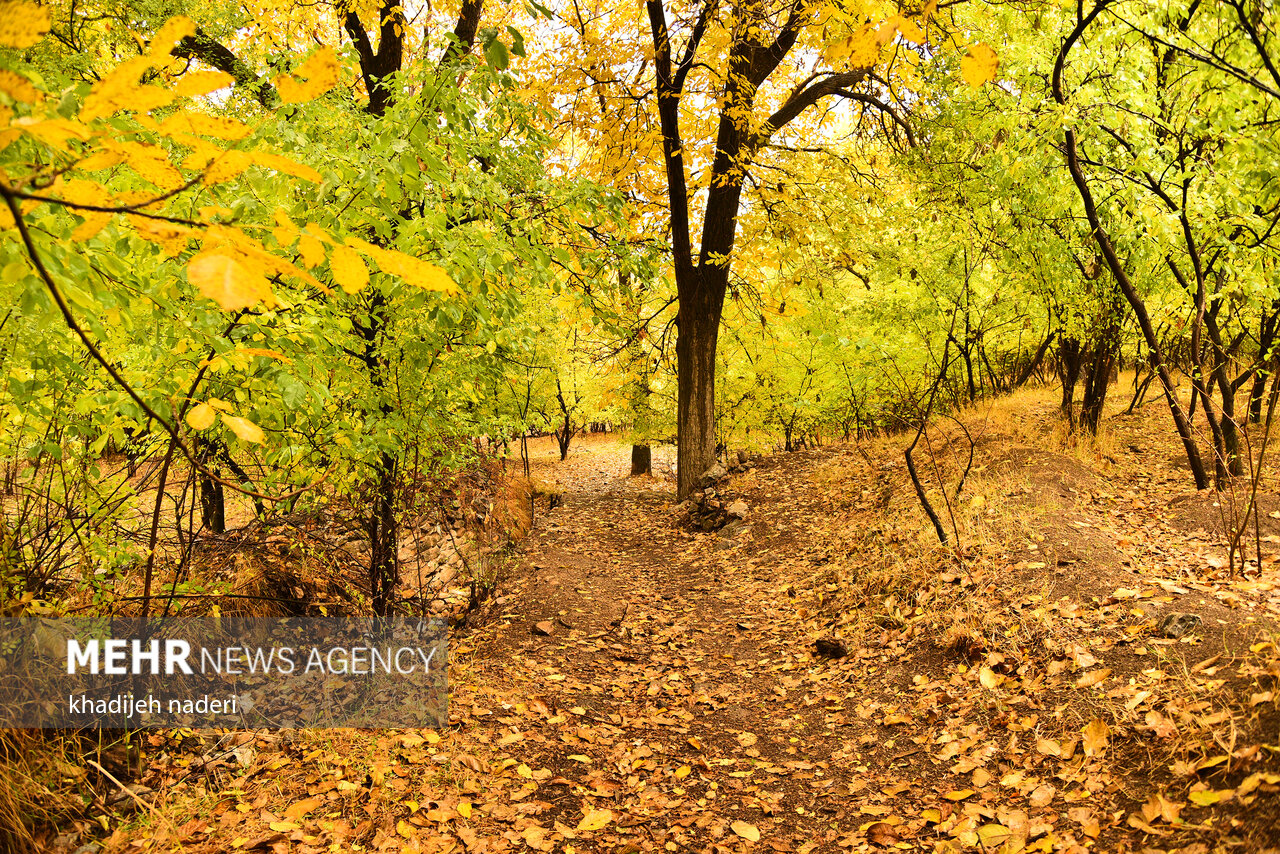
x=669 y=676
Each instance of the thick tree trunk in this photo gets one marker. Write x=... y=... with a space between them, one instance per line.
x=696 y=412
x=641 y=460
x=213 y=514
x=1255 y=396
x=1230 y=428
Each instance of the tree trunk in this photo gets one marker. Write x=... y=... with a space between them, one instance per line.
x=1109 y=254
x=213 y=508
x=968 y=368
x=1098 y=377
x=383 y=538
x=1069 y=363
x=1030 y=368
x=1255 y=396
x=641 y=460
x=213 y=512
x=696 y=413
x=564 y=436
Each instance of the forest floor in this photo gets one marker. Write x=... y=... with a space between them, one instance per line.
x=1009 y=692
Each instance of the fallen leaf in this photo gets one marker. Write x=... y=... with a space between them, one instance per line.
x=1093 y=677
x=1096 y=735
x=298 y=810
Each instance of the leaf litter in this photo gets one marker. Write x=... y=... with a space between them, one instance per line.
x=637 y=687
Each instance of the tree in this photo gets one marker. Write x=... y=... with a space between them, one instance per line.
x=757 y=41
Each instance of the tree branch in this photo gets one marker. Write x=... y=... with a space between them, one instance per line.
x=211 y=52
x=464 y=34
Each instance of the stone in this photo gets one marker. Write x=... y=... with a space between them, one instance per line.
x=1178 y=625
x=543 y=628
x=737 y=509
x=713 y=474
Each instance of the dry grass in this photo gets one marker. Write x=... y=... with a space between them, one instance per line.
x=46 y=782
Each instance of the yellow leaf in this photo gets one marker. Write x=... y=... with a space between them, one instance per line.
x=464 y=809
x=864 y=47
x=18 y=88
x=227 y=282
x=54 y=132
x=151 y=162
x=994 y=835
x=94 y=222
x=298 y=810
x=312 y=250
x=226 y=166
x=100 y=159
x=201 y=417
x=312 y=79
x=1096 y=734
x=117 y=90
x=749 y=832
x=216 y=126
x=196 y=83
x=285 y=231
x=958 y=794
x=79 y=192
x=1207 y=798
x=405 y=829
x=524 y=771
x=1094 y=677
x=683 y=771
x=595 y=819
x=978 y=65
x=22 y=23
x=287 y=166
x=283 y=826
x=167 y=37
x=989 y=678
x=413 y=270
x=348 y=270
x=1049 y=747
x=268 y=354
x=172 y=238
x=911 y=31
x=244 y=429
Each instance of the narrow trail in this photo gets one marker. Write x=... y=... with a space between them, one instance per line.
x=683 y=683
